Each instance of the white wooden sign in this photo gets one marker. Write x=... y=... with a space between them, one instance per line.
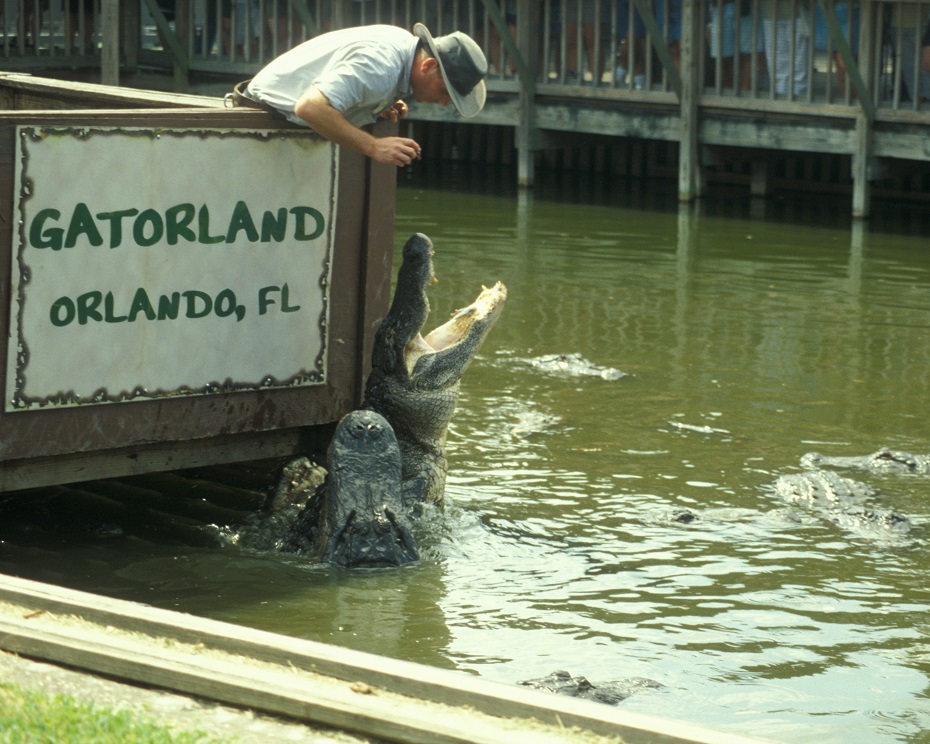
x=152 y=263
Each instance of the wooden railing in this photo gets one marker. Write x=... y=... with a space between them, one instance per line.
x=843 y=66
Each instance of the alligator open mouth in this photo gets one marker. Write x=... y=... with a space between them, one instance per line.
x=468 y=326
x=414 y=380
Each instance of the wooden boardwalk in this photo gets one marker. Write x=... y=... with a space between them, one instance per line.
x=555 y=76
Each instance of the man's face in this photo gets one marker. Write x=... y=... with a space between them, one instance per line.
x=428 y=84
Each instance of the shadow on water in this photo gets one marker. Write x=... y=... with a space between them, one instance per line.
x=220 y=564
x=814 y=208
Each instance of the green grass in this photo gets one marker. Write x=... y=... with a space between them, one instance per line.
x=28 y=717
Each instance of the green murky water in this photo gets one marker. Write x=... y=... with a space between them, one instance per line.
x=746 y=339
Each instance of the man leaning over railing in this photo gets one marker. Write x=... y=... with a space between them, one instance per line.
x=340 y=81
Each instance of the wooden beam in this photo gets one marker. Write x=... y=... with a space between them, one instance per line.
x=91 y=95
x=863 y=154
x=852 y=64
x=110 y=31
x=376 y=256
x=305 y=680
x=306 y=17
x=130 y=15
x=181 y=58
x=527 y=131
x=689 y=164
x=16 y=475
x=760 y=181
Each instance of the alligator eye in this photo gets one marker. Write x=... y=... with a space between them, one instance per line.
x=373 y=432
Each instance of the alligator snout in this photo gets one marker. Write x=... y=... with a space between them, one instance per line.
x=367 y=431
x=356 y=518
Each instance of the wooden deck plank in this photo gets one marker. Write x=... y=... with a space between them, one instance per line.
x=93 y=95
x=270 y=688
x=16 y=475
x=285 y=675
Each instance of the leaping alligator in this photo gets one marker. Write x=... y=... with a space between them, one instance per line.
x=389 y=459
x=414 y=380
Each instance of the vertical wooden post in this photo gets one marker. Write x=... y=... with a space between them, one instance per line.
x=375 y=252
x=341 y=14
x=130 y=26
x=861 y=162
x=760 y=183
x=689 y=165
x=526 y=133
x=862 y=157
x=109 y=30
x=182 y=27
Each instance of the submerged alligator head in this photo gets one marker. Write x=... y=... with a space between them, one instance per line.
x=845 y=502
x=882 y=461
x=356 y=517
x=611 y=693
x=414 y=381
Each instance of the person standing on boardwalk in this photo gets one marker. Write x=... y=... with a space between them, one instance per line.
x=340 y=81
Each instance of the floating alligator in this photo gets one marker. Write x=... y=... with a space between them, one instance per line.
x=821 y=495
x=611 y=693
x=845 y=502
x=387 y=460
x=883 y=461
x=574 y=365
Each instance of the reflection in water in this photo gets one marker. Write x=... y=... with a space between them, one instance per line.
x=388 y=612
x=745 y=342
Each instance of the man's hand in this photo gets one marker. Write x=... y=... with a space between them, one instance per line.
x=395 y=112
x=397 y=151
x=315 y=109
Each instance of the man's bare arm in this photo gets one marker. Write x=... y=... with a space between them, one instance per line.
x=315 y=109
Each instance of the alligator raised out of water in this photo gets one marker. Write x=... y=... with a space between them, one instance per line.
x=414 y=381
x=389 y=458
x=883 y=461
